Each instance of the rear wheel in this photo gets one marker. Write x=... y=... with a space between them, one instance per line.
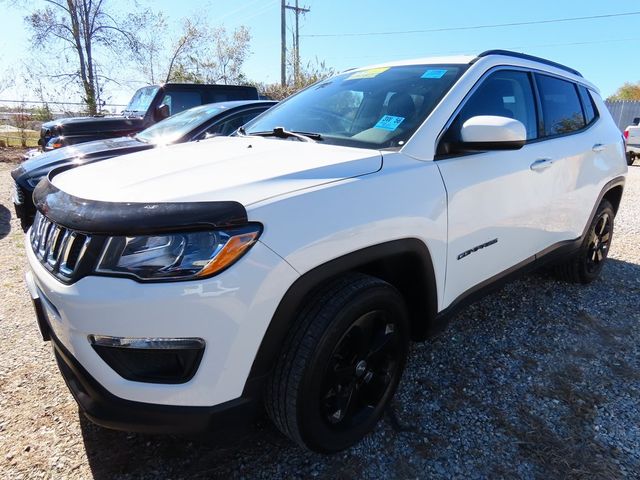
x=630 y=158
x=586 y=264
x=341 y=364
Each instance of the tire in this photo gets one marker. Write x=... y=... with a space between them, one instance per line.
x=630 y=158
x=340 y=364
x=585 y=265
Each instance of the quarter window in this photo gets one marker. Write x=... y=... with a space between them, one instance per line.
x=587 y=103
x=561 y=109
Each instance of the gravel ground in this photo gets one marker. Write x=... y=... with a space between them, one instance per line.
x=539 y=380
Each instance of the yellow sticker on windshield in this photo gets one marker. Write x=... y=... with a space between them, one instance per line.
x=369 y=73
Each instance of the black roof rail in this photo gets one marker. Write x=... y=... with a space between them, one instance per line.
x=524 y=56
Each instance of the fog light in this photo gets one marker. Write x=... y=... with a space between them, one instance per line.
x=151 y=360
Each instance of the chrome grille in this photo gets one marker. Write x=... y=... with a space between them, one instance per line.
x=18 y=194
x=59 y=249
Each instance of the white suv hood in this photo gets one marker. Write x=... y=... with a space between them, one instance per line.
x=245 y=170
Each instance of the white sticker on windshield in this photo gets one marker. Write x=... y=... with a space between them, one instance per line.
x=389 y=122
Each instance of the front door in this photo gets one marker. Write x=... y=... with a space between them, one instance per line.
x=498 y=201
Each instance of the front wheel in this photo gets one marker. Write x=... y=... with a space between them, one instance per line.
x=586 y=264
x=341 y=364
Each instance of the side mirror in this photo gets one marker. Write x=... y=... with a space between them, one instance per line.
x=488 y=132
x=636 y=121
x=162 y=112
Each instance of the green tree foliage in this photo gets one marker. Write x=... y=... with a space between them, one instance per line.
x=628 y=91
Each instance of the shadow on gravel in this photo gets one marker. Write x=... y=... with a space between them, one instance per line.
x=538 y=380
x=5 y=221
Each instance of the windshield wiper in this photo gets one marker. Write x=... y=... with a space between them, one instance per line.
x=281 y=132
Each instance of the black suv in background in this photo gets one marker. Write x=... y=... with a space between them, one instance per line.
x=195 y=124
x=147 y=106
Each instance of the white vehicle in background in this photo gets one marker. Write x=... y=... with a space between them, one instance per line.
x=632 y=140
x=290 y=266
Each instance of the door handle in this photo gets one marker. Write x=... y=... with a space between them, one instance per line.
x=598 y=147
x=541 y=164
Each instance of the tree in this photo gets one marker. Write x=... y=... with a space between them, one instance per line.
x=5 y=82
x=158 y=55
x=226 y=55
x=217 y=57
x=628 y=91
x=308 y=75
x=199 y=54
x=87 y=28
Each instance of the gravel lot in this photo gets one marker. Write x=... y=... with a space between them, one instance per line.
x=539 y=380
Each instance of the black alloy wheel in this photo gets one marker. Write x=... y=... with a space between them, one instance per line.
x=362 y=368
x=599 y=242
x=585 y=265
x=340 y=364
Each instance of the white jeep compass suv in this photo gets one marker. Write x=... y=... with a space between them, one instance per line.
x=290 y=265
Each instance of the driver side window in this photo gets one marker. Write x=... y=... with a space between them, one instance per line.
x=504 y=93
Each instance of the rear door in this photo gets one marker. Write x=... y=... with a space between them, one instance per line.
x=497 y=205
x=580 y=147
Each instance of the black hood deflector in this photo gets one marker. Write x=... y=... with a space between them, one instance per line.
x=132 y=218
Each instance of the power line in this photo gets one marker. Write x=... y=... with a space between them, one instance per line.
x=508 y=47
x=476 y=27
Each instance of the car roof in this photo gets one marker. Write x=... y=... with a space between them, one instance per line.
x=491 y=57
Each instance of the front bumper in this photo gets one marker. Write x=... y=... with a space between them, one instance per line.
x=107 y=410
x=230 y=311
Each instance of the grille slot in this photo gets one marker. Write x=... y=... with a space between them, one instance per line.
x=18 y=194
x=58 y=248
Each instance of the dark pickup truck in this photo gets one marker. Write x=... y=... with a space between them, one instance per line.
x=147 y=106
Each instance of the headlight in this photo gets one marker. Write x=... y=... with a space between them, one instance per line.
x=55 y=142
x=176 y=256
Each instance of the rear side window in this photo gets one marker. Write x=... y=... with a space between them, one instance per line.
x=179 y=101
x=588 y=105
x=561 y=108
x=227 y=94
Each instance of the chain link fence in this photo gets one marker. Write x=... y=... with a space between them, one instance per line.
x=20 y=120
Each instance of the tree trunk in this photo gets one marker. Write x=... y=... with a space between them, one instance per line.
x=87 y=80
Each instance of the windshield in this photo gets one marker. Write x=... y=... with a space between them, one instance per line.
x=173 y=128
x=141 y=100
x=370 y=108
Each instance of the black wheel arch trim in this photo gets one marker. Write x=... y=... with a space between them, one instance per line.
x=434 y=321
x=132 y=218
x=293 y=299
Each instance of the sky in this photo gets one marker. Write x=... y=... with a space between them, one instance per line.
x=605 y=50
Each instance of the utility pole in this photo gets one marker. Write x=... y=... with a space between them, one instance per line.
x=296 y=40
x=283 y=43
